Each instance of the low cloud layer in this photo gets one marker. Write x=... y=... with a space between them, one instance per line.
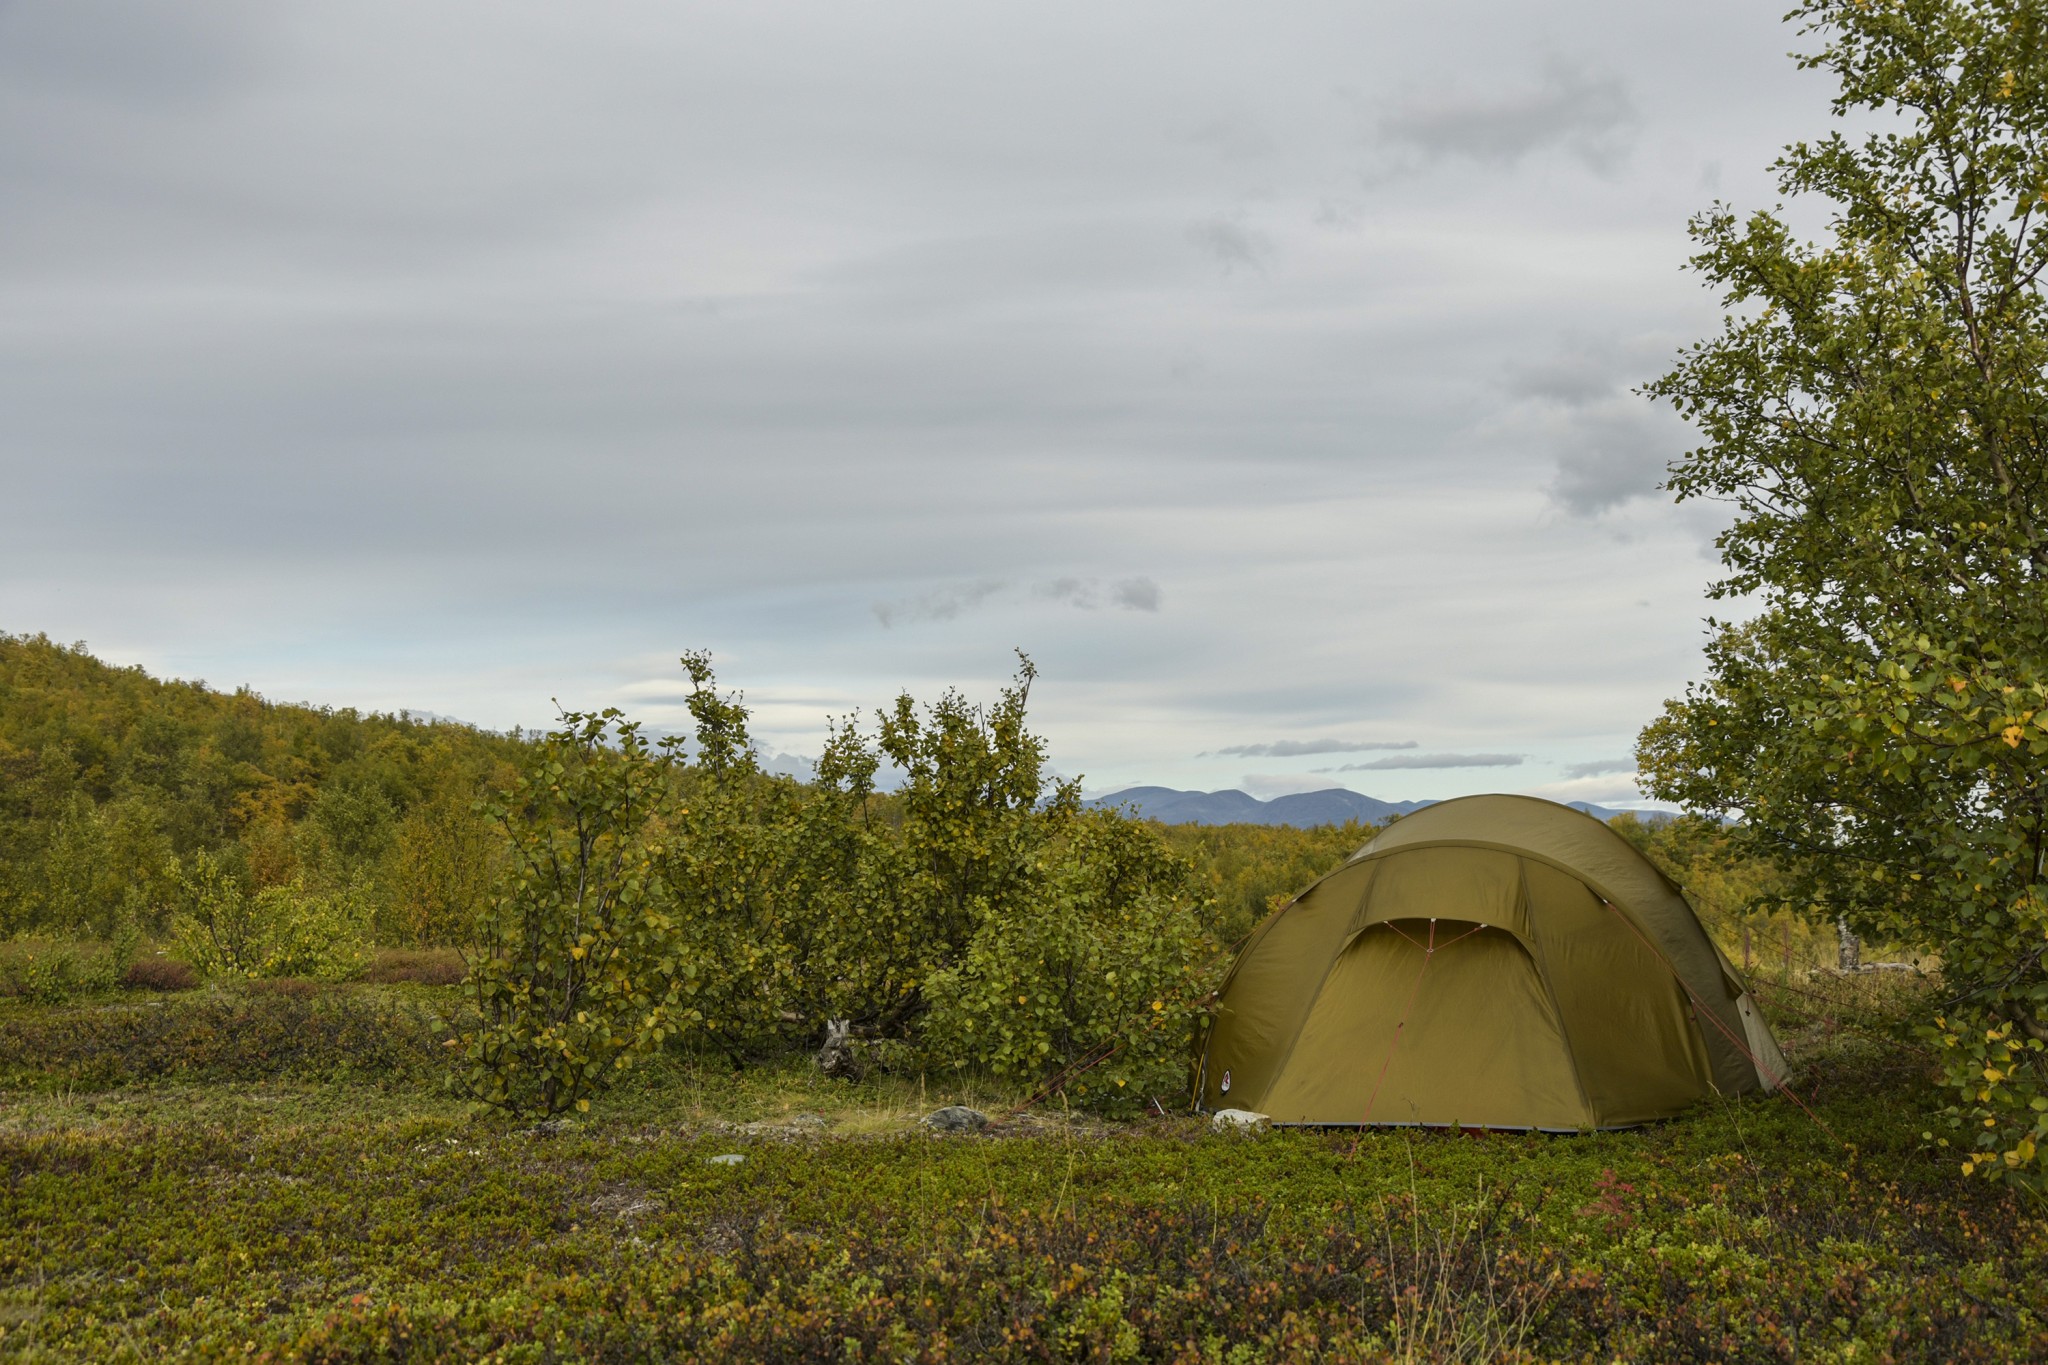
x=1083 y=594
x=1296 y=748
x=1256 y=371
x=1125 y=594
x=1600 y=768
x=1411 y=762
x=1588 y=115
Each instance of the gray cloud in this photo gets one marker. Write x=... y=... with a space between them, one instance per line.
x=1588 y=115
x=1230 y=243
x=1611 y=452
x=1085 y=594
x=1135 y=594
x=1074 y=592
x=1573 y=376
x=1127 y=594
x=941 y=604
x=1610 y=445
x=1600 y=767
x=1295 y=748
x=1407 y=761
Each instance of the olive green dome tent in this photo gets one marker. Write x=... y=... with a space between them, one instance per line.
x=1488 y=962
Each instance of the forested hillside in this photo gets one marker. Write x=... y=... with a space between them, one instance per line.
x=111 y=780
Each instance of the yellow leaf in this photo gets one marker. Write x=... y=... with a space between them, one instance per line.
x=2012 y=734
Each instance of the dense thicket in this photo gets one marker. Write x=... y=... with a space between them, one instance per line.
x=976 y=918
x=1247 y=871
x=113 y=783
x=615 y=894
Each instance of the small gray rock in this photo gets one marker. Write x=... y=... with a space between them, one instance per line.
x=727 y=1159
x=1239 y=1120
x=956 y=1118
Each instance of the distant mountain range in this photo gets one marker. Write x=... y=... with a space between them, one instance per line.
x=1303 y=810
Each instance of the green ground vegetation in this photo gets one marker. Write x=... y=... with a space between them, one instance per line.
x=238 y=1173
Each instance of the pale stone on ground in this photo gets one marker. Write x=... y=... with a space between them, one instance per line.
x=956 y=1118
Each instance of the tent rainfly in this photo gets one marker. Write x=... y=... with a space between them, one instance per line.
x=1488 y=962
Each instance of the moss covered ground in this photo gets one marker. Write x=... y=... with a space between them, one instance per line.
x=258 y=1177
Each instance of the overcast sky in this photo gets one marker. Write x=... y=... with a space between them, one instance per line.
x=1262 y=370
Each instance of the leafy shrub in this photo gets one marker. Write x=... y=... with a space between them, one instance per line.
x=214 y=923
x=1105 y=973
x=239 y=1036
x=907 y=881
x=159 y=974
x=324 y=936
x=736 y=879
x=1021 y=936
x=576 y=970
x=279 y=931
x=51 y=971
x=418 y=966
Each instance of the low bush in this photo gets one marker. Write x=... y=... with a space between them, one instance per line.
x=286 y=930
x=576 y=974
x=159 y=974
x=289 y=1030
x=1104 y=981
x=417 y=966
x=51 y=971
